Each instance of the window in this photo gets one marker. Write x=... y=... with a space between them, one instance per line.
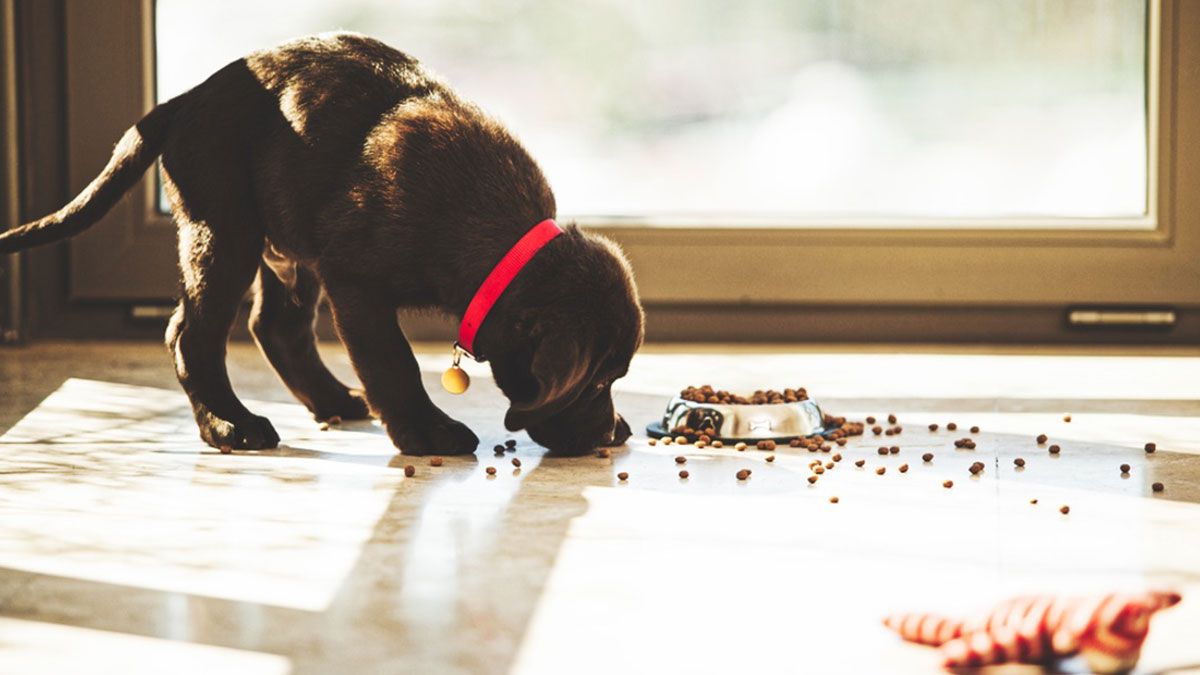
x=769 y=112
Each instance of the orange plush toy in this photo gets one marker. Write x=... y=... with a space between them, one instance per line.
x=1107 y=631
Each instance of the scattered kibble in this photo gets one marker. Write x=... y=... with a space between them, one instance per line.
x=841 y=442
x=1125 y=468
x=1157 y=487
x=892 y=419
x=870 y=420
x=1064 y=509
x=435 y=461
x=323 y=426
x=718 y=444
x=974 y=430
x=766 y=445
x=770 y=458
x=812 y=479
x=604 y=453
x=684 y=474
x=624 y=475
x=491 y=470
x=511 y=443
x=882 y=450
x=952 y=426
x=837 y=457
x=933 y=427
x=1066 y=418
x=667 y=440
x=947 y=484
x=877 y=430
x=1042 y=438
x=705 y=438
x=226 y=449
x=1151 y=447
x=701 y=444
x=860 y=462
x=740 y=447
x=903 y=468
x=744 y=474
x=828 y=465
x=516 y=462
x=1033 y=501
x=1055 y=449
x=976 y=468
x=833 y=499
x=895 y=449
x=410 y=470
x=879 y=471
x=652 y=442
x=682 y=440
x=927 y=457
x=680 y=459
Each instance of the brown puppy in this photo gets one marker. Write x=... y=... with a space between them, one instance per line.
x=336 y=164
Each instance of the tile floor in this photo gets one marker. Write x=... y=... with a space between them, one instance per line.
x=127 y=546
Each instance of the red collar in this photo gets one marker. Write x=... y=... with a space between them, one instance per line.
x=499 y=279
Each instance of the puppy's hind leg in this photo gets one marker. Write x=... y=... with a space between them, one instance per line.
x=218 y=265
x=283 y=324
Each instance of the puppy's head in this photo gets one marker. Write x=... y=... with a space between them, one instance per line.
x=570 y=327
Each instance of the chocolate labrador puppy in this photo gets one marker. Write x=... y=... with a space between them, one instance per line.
x=337 y=165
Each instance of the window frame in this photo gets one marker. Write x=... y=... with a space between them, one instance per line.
x=909 y=262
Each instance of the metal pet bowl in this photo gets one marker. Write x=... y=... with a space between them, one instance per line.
x=736 y=422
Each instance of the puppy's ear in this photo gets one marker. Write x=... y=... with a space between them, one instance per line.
x=560 y=365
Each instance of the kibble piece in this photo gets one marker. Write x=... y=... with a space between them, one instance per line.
x=903 y=468
x=1066 y=418
x=667 y=440
x=895 y=449
x=1157 y=487
x=701 y=444
x=974 y=430
x=976 y=468
x=770 y=458
x=841 y=442
x=1151 y=447
x=1033 y=501
x=622 y=476
x=933 y=427
x=833 y=499
x=511 y=443
x=323 y=426
x=891 y=431
x=927 y=457
x=435 y=461
x=1019 y=462
x=1064 y=509
x=1124 y=468
x=1042 y=438
x=604 y=453
x=740 y=447
x=410 y=470
x=680 y=459
x=870 y=420
x=718 y=444
x=682 y=440
x=947 y=483
x=226 y=449
x=491 y=470
x=684 y=474
x=877 y=430
x=652 y=442
x=1055 y=449
x=766 y=445
x=952 y=426
x=818 y=469
x=837 y=457
x=882 y=450
x=879 y=471
x=892 y=419
x=705 y=438
x=860 y=462
x=812 y=479
x=743 y=474
x=516 y=462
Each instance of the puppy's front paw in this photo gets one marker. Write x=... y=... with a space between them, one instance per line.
x=249 y=433
x=444 y=436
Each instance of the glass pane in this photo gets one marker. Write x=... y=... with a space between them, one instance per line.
x=702 y=111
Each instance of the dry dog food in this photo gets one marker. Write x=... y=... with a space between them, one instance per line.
x=604 y=453
x=952 y=426
x=833 y=499
x=1064 y=509
x=718 y=444
x=1157 y=487
x=740 y=447
x=652 y=442
x=812 y=479
x=933 y=427
x=435 y=461
x=743 y=474
x=706 y=394
x=1124 y=468
x=491 y=470
x=499 y=450
x=877 y=430
x=947 y=484
x=879 y=471
x=511 y=443
x=770 y=458
x=1033 y=501
x=837 y=457
x=516 y=462
x=766 y=445
x=624 y=475
x=1151 y=447
x=927 y=457
x=870 y=420
x=966 y=443
x=828 y=465
x=895 y=449
x=410 y=471
x=903 y=468
x=681 y=440
x=683 y=474
x=892 y=419
x=1019 y=462
x=680 y=459
x=860 y=462
x=1042 y=438
x=1066 y=418
x=882 y=450
x=1055 y=449
x=976 y=468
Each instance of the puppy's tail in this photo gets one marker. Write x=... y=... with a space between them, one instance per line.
x=135 y=152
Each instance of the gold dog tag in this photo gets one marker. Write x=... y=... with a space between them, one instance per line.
x=455 y=380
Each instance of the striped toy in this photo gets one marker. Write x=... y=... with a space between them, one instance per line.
x=1107 y=630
